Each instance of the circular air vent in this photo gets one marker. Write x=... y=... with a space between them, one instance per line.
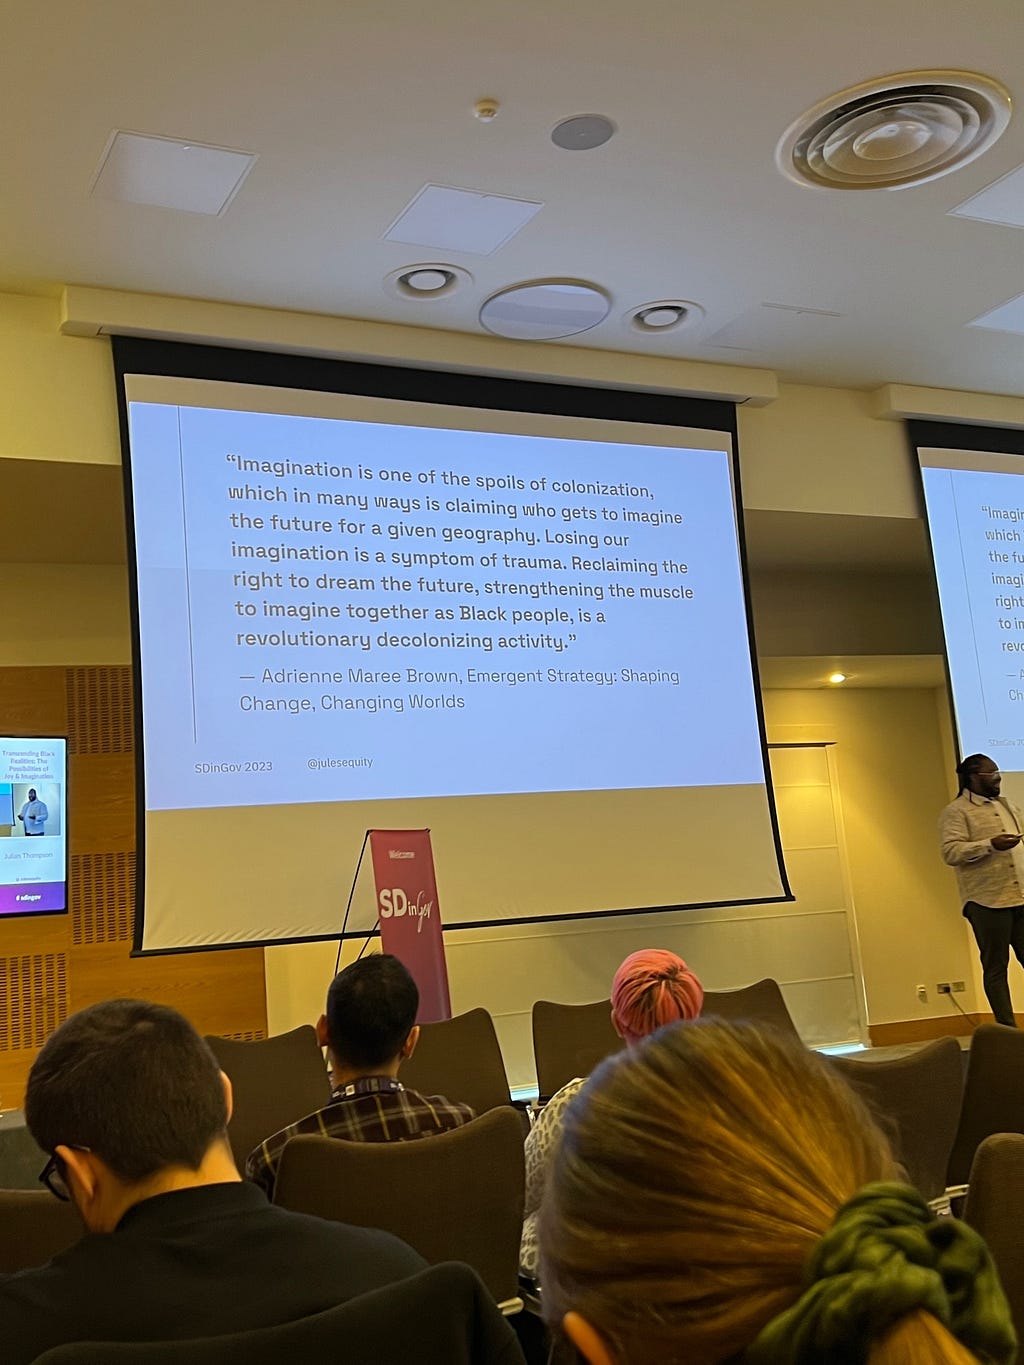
x=896 y=131
x=424 y=282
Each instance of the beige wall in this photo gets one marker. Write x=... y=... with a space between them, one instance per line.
x=813 y=449
x=819 y=614
x=64 y=614
x=58 y=398
x=820 y=450
x=893 y=760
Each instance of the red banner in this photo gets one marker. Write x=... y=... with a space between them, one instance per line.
x=410 y=924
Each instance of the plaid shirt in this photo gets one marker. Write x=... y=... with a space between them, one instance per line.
x=371 y=1109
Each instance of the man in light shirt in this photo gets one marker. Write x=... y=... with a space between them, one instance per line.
x=980 y=834
x=33 y=814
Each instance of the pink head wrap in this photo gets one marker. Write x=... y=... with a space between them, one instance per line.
x=651 y=988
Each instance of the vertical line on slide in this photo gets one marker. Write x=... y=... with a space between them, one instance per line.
x=967 y=590
x=188 y=585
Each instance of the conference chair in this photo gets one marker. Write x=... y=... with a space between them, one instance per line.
x=34 y=1227
x=916 y=1098
x=275 y=1081
x=457 y=1196
x=993 y=1095
x=995 y=1206
x=460 y=1059
x=762 y=1002
x=569 y=1041
x=442 y=1316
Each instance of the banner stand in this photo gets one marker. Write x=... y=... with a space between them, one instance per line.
x=406 y=908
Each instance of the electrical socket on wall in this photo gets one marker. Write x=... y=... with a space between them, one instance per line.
x=949 y=987
x=922 y=994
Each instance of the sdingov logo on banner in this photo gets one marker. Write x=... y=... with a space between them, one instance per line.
x=400 y=853
x=394 y=903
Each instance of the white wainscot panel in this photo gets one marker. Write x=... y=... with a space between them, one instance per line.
x=825 y=1011
x=799 y=766
x=806 y=818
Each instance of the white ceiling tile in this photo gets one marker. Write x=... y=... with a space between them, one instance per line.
x=171 y=174
x=1001 y=202
x=460 y=220
x=1008 y=317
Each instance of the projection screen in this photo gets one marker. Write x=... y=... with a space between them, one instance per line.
x=974 y=499
x=525 y=630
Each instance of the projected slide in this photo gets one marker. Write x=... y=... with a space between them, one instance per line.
x=975 y=503
x=526 y=633
x=33 y=856
x=341 y=610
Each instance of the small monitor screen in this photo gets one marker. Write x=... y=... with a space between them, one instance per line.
x=33 y=826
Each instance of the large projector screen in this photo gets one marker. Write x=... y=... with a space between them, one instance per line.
x=974 y=497
x=527 y=632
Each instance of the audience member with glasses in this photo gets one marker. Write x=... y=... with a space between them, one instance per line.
x=132 y=1107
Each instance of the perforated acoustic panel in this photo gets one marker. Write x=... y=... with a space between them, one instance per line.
x=33 y=998
x=100 y=711
x=102 y=895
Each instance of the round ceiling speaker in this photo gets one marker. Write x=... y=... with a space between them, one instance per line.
x=582 y=132
x=544 y=310
x=666 y=315
x=423 y=282
x=896 y=131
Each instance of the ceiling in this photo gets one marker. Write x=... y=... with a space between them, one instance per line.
x=353 y=107
x=861 y=670
x=831 y=542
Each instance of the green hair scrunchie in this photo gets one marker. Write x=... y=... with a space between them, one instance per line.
x=887 y=1255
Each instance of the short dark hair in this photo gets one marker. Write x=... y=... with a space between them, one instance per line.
x=371 y=1008
x=131 y=1081
x=968 y=767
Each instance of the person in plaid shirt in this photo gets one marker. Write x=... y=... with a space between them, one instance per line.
x=369 y=1030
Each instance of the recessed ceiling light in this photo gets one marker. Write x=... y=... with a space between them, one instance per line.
x=582 y=132
x=664 y=315
x=895 y=131
x=544 y=310
x=837 y=677
x=427 y=281
x=421 y=283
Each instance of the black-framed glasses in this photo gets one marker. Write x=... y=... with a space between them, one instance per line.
x=53 y=1175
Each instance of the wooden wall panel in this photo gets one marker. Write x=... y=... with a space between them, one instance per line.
x=54 y=965
x=220 y=992
x=33 y=701
x=101 y=802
